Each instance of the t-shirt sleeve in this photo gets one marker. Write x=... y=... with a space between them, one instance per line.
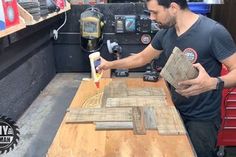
x=221 y=42
x=157 y=40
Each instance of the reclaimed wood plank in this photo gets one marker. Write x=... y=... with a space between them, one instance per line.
x=114 y=125
x=83 y=115
x=178 y=68
x=168 y=121
x=136 y=101
x=138 y=121
x=150 y=118
x=146 y=92
x=117 y=88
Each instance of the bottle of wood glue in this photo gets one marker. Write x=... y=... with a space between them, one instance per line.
x=95 y=61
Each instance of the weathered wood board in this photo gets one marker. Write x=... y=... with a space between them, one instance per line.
x=136 y=101
x=86 y=115
x=138 y=121
x=168 y=121
x=114 y=125
x=149 y=122
x=146 y=92
x=178 y=68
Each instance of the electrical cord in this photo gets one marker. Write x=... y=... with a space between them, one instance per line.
x=55 y=31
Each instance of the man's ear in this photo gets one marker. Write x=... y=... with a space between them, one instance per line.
x=174 y=7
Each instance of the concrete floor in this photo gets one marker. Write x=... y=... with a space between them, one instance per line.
x=40 y=122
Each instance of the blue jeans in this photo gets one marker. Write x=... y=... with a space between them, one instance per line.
x=203 y=135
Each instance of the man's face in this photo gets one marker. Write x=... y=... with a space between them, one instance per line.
x=163 y=16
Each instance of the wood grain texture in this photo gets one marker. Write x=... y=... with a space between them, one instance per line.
x=168 y=121
x=146 y=92
x=83 y=115
x=136 y=101
x=114 y=125
x=150 y=117
x=178 y=68
x=138 y=121
x=82 y=140
x=149 y=122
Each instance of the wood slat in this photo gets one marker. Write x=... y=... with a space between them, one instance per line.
x=146 y=92
x=114 y=125
x=168 y=121
x=116 y=88
x=149 y=118
x=86 y=115
x=136 y=101
x=138 y=121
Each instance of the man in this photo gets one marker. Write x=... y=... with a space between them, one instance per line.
x=207 y=45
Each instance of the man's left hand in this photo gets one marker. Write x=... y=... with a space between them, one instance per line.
x=198 y=85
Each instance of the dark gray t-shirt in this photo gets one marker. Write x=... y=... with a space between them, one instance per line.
x=206 y=42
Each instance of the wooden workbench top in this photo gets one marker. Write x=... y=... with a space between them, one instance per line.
x=82 y=140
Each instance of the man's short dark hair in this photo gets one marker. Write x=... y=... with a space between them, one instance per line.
x=166 y=3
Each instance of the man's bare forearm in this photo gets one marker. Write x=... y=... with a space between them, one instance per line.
x=229 y=79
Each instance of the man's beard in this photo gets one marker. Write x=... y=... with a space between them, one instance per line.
x=167 y=25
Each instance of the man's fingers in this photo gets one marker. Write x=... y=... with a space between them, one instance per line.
x=187 y=82
x=190 y=91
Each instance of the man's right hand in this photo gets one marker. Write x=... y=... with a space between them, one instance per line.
x=105 y=65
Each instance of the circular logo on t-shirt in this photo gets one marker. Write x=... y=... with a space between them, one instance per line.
x=191 y=54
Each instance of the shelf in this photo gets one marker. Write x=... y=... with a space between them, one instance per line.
x=13 y=29
x=29 y=20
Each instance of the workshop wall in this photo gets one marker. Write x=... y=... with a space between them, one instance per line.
x=69 y=55
x=225 y=14
x=26 y=66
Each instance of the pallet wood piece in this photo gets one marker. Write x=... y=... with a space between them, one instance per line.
x=138 y=121
x=116 y=88
x=178 y=68
x=168 y=121
x=149 y=117
x=136 y=101
x=87 y=115
x=114 y=125
x=105 y=96
x=146 y=92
